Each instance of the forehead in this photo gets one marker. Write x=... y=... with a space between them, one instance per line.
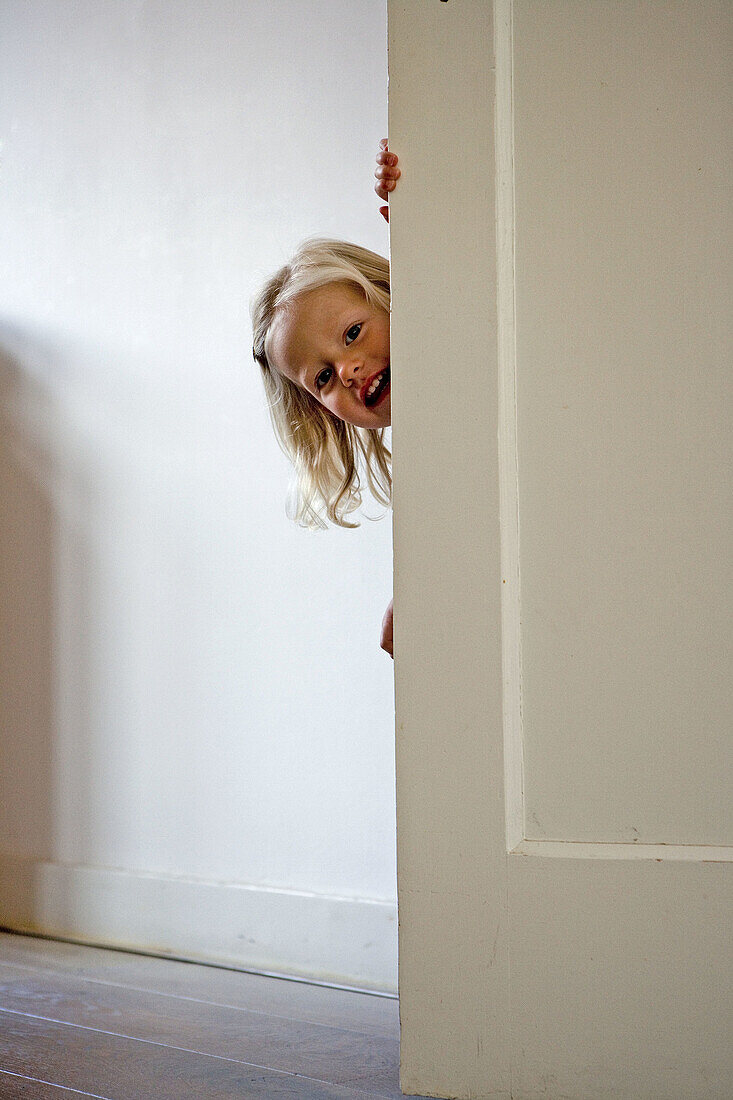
x=303 y=330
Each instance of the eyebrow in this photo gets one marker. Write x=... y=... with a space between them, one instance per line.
x=302 y=378
x=303 y=375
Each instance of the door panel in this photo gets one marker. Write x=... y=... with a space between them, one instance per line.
x=560 y=244
x=622 y=124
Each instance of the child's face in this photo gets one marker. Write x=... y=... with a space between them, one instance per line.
x=334 y=344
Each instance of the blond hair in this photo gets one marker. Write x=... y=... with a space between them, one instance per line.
x=327 y=452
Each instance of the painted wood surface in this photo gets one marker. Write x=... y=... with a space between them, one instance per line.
x=559 y=237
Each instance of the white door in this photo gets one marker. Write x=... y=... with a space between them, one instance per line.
x=560 y=244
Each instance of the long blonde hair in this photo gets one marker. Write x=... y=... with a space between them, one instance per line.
x=327 y=452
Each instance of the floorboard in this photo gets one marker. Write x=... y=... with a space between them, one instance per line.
x=320 y=1005
x=130 y=1069
x=18 y=1087
x=84 y=1021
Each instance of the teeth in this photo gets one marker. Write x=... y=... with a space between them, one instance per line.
x=374 y=384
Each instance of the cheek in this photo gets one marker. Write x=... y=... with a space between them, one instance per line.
x=339 y=405
x=385 y=341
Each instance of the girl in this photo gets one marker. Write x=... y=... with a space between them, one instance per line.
x=321 y=338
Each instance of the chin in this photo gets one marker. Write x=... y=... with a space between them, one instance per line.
x=384 y=420
x=380 y=417
x=382 y=414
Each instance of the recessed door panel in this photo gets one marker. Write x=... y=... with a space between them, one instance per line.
x=622 y=148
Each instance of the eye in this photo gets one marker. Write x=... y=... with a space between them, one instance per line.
x=352 y=334
x=323 y=378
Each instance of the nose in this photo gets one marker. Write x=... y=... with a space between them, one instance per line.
x=347 y=368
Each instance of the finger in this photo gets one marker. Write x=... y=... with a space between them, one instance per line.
x=386 y=181
x=384 y=211
x=387 y=172
x=384 y=188
x=387 y=158
x=383 y=143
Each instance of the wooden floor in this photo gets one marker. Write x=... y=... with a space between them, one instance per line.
x=83 y=1021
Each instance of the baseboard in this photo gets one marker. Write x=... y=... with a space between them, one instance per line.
x=339 y=940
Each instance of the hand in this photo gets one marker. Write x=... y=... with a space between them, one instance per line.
x=386 y=642
x=387 y=174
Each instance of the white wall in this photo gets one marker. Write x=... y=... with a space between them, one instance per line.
x=193 y=694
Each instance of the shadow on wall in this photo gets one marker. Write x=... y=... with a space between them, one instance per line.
x=43 y=731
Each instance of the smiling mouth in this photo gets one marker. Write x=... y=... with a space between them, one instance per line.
x=376 y=395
